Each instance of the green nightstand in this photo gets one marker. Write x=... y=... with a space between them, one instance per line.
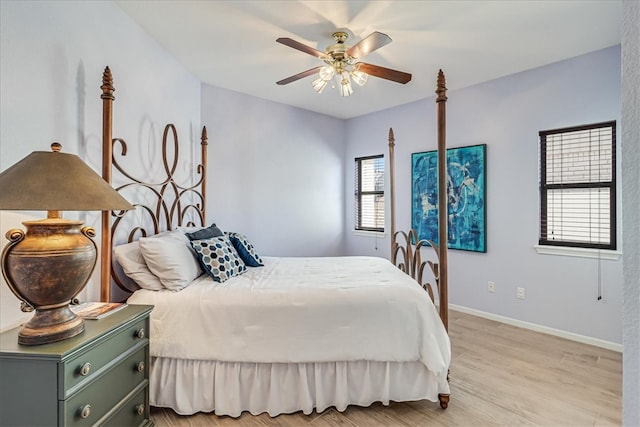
x=99 y=377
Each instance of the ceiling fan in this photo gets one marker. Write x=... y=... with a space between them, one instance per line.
x=341 y=63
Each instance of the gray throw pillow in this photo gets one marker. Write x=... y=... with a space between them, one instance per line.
x=205 y=233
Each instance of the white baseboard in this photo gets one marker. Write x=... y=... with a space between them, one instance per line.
x=539 y=328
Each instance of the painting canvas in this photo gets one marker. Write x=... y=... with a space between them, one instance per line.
x=466 y=191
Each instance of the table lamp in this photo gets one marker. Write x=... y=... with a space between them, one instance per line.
x=50 y=263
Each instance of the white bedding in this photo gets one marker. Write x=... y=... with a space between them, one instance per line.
x=299 y=310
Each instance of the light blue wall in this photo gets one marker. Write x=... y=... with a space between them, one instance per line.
x=276 y=174
x=506 y=114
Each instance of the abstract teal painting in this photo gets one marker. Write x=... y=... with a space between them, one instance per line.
x=466 y=193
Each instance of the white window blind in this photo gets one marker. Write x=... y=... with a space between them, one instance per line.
x=578 y=186
x=369 y=193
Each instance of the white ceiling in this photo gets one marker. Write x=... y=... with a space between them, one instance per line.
x=231 y=44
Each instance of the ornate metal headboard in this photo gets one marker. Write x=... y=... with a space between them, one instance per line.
x=160 y=204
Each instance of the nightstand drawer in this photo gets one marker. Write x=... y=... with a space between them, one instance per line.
x=92 y=402
x=86 y=366
x=133 y=412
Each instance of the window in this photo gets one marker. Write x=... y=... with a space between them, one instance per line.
x=369 y=193
x=578 y=186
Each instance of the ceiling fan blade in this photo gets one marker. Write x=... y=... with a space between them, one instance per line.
x=368 y=44
x=299 y=76
x=301 y=47
x=384 y=73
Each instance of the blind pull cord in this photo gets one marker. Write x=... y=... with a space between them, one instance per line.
x=599 y=276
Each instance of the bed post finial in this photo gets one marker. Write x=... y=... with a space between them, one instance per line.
x=441 y=88
x=392 y=199
x=204 y=138
x=107 y=85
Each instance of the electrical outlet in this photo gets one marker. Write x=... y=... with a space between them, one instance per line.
x=491 y=286
x=520 y=293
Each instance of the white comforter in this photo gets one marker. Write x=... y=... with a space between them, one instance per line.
x=296 y=310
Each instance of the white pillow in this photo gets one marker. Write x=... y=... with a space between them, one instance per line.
x=171 y=259
x=132 y=262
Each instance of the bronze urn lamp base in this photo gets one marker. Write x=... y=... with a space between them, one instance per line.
x=46 y=267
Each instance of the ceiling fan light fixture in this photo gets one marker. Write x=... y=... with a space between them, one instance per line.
x=319 y=84
x=359 y=77
x=345 y=85
x=326 y=73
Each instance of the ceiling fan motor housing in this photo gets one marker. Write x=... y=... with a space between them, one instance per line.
x=338 y=51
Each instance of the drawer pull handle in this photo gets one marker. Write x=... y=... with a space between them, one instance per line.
x=85 y=369
x=140 y=409
x=140 y=333
x=140 y=367
x=85 y=411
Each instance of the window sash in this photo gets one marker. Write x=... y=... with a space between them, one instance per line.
x=578 y=186
x=369 y=193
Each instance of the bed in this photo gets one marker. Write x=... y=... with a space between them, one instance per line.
x=233 y=330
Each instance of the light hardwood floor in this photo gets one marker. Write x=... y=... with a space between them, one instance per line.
x=501 y=375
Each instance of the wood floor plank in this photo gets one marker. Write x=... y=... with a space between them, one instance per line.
x=501 y=375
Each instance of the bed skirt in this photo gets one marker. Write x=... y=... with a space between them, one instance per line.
x=229 y=388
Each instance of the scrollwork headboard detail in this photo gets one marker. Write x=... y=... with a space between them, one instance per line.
x=407 y=256
x=160 y=205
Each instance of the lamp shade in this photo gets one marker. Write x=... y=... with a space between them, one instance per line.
x=55 y=181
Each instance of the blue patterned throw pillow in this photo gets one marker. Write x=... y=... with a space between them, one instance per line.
x=245 y=249
x=219 y=258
